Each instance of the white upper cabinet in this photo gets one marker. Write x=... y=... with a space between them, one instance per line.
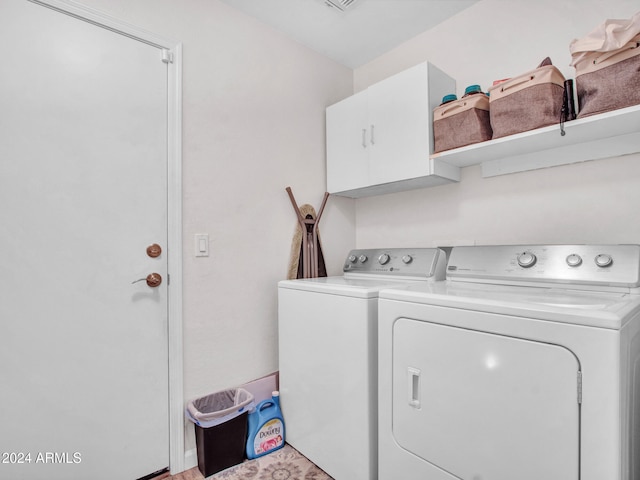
x=379 y=140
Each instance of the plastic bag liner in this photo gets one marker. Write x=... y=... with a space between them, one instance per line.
x=218 y=407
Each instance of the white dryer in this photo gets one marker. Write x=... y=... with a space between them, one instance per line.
x=328 y=356
x=523 y=365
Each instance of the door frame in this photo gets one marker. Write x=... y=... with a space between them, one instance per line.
x=170 y=52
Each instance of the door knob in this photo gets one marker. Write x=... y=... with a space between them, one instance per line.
x=154 y=250
x=153 y=280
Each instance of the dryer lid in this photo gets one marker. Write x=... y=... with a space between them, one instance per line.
x=598 y=309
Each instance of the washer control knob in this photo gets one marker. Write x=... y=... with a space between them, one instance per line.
x=526 y=259
x=383 y=259
x=603 y=260
x=362 y=258
x=352 y=258
x=574 y=260
x=407 y=259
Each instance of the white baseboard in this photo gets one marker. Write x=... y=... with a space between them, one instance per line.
x=190 y=459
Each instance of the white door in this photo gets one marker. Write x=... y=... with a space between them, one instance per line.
x=83 y=192
x=482 y=406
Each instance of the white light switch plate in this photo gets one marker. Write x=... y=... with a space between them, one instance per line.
x=202 y=244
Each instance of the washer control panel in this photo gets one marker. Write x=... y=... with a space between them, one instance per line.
x=610 y=265
x=401 y=262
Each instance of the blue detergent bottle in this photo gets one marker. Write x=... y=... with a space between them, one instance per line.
x=266 y=428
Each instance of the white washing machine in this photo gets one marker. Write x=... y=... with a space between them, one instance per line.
x=328 y=356
x=523 y=365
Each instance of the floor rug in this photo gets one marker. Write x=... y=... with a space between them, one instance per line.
x=283 y=464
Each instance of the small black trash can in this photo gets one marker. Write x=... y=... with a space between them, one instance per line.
x=220 y=422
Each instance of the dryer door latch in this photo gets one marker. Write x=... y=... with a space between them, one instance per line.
x=413 y=377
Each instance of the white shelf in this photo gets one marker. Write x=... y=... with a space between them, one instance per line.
x=606 y=135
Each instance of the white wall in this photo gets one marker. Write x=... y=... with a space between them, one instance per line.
x=586 y=202
x=254 y=105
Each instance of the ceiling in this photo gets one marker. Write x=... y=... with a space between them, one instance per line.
x=357 y=35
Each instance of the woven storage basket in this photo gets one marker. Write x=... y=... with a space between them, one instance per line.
x=461 y=122
x=526 y=102
x=609 y=80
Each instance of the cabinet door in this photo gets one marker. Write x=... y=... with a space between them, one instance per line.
x=400 y=127
x=348 y=144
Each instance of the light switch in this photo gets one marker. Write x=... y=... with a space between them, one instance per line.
x=202 y=244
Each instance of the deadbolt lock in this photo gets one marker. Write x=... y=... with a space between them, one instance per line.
x=154 y=250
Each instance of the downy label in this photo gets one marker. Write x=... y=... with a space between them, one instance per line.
x=268 y=437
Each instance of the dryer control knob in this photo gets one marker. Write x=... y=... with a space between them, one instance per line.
x=603 y=260
x=407 y=259
x=362 y=258
x=526 y=259
x=353 y=258
x=574 y=260
x=383 y=259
